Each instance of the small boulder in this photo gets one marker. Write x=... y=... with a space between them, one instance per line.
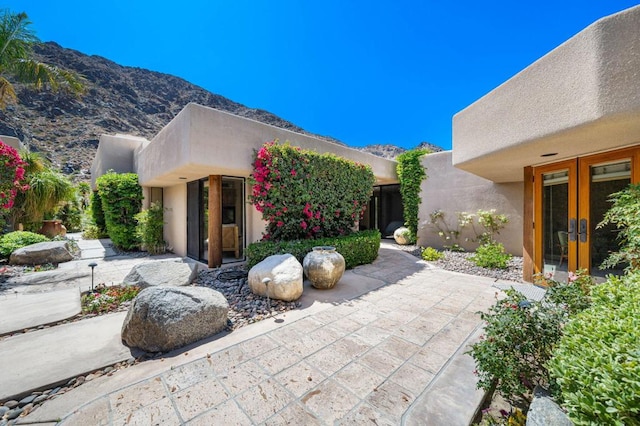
x=544 y=411
x=161 y=319
x=162 y=273
x=401 y=235
x=41 y=253
x=285 y=273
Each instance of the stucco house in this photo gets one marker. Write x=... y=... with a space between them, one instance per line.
x=197 y=166
x=546 y=148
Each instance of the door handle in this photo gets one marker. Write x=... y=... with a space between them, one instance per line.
x=583 y=230
x=573 y=235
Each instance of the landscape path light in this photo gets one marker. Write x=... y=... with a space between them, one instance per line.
x=92 y=265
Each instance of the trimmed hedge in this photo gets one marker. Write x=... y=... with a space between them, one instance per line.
x=121 y=200
x=359 y=248
x=596 y=364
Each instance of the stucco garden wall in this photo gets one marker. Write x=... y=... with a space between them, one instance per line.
x=175 y=218
x=115 y=152
x=453 y=190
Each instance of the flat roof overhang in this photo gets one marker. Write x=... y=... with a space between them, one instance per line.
x=581 y=98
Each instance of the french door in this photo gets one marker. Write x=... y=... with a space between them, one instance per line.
x=570 y=200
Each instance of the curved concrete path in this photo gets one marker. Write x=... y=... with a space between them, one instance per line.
x=385 y=346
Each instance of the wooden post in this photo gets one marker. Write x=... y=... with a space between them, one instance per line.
x=215 y=221
x=527 y=221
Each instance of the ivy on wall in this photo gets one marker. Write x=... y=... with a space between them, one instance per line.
x=121 y=197
x=302 y=194
x=411 y=174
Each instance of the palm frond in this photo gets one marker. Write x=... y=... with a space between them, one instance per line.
x=7 y=93
x=43 y=75
x=16 y=38
x=36 y=162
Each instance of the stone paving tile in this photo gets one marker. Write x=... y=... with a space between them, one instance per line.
x=95 y=413
x=258 y=345
x=305 y=345
x=128 y=400
x=364 y=316
x=412 y=378
x=365 y=413
x=242 y=377
x=431 y=322
x=264 y=400
x=381 y=361
x=445 y=343
x=199 y=398
x=391 y=400
x=325 y=317
x=346 y=325
x=371 y=334
x=225 y=360
x=277 y=360
x=328 y=360
x=399 y=348
x=351 y=346
x=429 y=360
x=188 y=375
x=329 y=401
x=300 y=378
x=326 y=335
x=389 y=324
x=412 y=334
x=306 y=325
x=359 y=379
x=159 y=413
x=294 y=414
x=228 y=414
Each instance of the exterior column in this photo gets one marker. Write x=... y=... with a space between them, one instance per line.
x=215 y=221
x=528 y=224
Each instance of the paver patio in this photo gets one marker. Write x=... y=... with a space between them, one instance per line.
x=393 y=355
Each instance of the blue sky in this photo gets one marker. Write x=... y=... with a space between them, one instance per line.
x=363 y=72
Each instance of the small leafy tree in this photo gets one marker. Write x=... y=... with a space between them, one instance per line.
x=121 y=197
x=625 y=215
x=304 y=195
x=97 y=214
x=150 y=229
x=411 y=173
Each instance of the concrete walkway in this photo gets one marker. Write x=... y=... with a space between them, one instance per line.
x=385 y=346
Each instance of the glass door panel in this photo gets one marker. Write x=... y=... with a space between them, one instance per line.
x=554 y=223
x=233 y=232
x=598 y=182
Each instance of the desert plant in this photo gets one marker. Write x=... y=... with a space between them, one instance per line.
x=14 y=240
x=411 y=173
x=431 y=254
x=121 y=197
x=625 y=215
x=449 y=235
x=150 y=229
x=106 y=299
x=491 y=255
x=303 y=195
x=596 y=364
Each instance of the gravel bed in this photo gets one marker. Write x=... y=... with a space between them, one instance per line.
x=459 y=262
x=244 y=306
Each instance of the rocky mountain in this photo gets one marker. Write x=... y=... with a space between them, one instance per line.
x=392 y=151
x=118 y=99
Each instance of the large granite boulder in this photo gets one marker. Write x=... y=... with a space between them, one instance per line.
x=544 y=411
x=285 y=275
x=41 y=253
x=162 y=273
x=161 y=319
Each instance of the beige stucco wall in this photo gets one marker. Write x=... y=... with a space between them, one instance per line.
x=583 y=97
x=175 y=218
x=452 y=190
x=12 y=141
x=200 y=141
x=115 y=152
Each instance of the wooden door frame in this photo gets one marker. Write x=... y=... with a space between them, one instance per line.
x=538 y=172
x=584 y=187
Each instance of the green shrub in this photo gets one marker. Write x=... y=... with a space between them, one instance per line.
x=411 y=173
x=304 y=195
x=430 y=254
x=92 y=232
x=121 y=197
x=596 y=364
x=70 y=213
x=520 y=336
x=150 y=229
x=97 y=213
x=491 y=255
x=359 y=248
x=625 y=215
x=14 y=240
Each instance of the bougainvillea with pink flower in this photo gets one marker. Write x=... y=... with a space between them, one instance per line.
x=11 y=176
x=302 y=194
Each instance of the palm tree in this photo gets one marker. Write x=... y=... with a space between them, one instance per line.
x=16 y=41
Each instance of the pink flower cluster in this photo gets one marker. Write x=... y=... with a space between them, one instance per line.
x=11 y=175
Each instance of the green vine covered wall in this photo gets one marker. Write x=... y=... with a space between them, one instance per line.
x=411 y=174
